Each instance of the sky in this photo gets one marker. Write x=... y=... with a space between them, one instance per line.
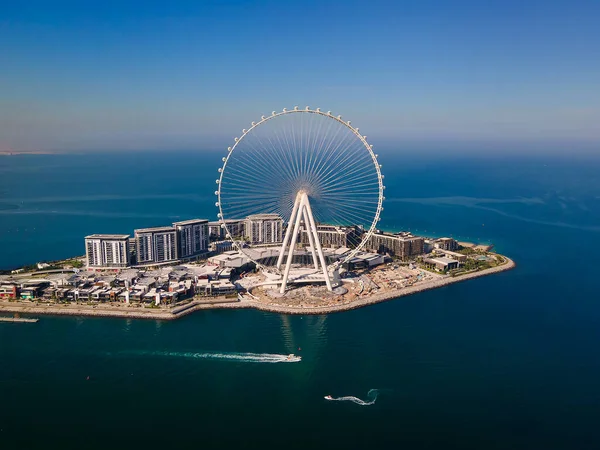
x=92 y=76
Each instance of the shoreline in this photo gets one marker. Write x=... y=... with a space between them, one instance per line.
x=17 y=307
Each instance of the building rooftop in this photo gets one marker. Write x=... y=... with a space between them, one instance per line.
x=448 y=252
x=402 y=236
x=107 y=236
x=270 y=216
x=216 y=222
x=154 y=230
x=190 y=222
x=441 y=259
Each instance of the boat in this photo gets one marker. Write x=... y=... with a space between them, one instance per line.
x=291 y=356
x=328 y=397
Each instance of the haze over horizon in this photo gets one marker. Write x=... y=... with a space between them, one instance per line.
x=149 y=75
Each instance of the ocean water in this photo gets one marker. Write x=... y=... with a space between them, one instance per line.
x=508 y=361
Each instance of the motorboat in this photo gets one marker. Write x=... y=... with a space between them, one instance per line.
x=291 y=356
x=328 y=397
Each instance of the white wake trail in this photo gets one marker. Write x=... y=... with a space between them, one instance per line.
x=371 y=396
x=239 y=357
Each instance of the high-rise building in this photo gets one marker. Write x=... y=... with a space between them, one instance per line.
x=215 y=232
x=401 y=245
x=192 y=238
x=264 y=228
x=107 y=250
x=334 y=236
x=237 y=228
x=155 y=245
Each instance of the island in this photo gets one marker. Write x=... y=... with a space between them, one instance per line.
x=223 y=280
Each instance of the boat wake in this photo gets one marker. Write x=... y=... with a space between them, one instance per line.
x=371 y=396
x=238 y=357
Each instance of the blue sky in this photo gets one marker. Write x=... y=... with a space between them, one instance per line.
x=191 y=74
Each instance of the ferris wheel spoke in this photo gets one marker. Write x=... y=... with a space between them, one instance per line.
x=329 y=150
x=284 y=153
x=253 y=161
x=275 y=154
x=350 y=177
x=365 y=208
x=341 y=158
x=347 y=167
x=315 y=145
x=323 y=147
x=348 y=219
x=350 y=183
x=250 y=172
x=363 y=204
x=290 y=140
x=354 y=185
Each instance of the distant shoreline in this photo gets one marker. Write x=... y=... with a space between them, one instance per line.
x=133 y=312
x=27 y=153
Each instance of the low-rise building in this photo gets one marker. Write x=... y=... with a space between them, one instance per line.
x=9 y=291
x=442 y=264
x=31 y=292
x=221 y=246
x=364 y=261
x=446 y=244
x=453 y=255
x=231 y=259
x=214 y=288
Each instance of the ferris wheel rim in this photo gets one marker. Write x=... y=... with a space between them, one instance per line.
x=264 y=119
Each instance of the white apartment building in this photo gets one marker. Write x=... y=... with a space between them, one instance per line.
x=107 y=250
x=237 y=228
x=192 y=237
x=264 y=228
x=155 y=245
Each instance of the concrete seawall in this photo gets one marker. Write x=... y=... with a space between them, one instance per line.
x=18 y=319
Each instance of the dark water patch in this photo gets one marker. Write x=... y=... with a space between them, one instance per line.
x=8 y=206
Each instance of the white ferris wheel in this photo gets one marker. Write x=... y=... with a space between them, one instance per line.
x=310 y=169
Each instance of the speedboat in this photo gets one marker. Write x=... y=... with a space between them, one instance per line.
x=291 y=356
x=328 y=397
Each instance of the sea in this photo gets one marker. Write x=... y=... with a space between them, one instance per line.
x=508 y=361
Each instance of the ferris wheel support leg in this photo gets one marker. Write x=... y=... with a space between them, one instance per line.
x=294 y=236
x=288 y=232
x=313 y=229
x=311 y=238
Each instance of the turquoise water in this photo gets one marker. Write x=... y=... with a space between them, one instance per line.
x=507 y=361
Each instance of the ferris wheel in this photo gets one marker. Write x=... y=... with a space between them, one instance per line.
x=308 y=169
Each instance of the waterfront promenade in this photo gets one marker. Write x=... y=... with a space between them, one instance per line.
x=112 y=310
x=136 y=312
